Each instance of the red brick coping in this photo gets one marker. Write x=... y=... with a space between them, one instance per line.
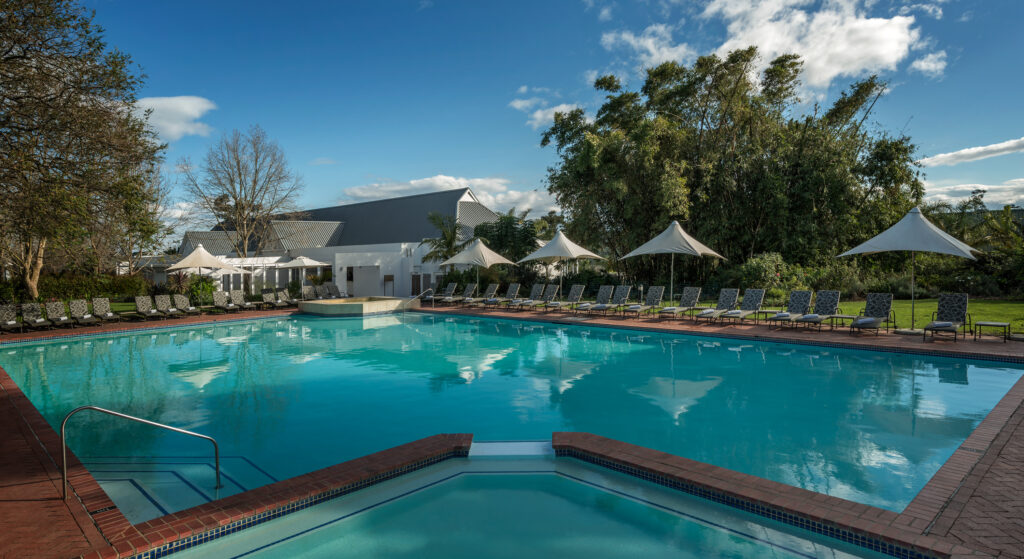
x=855 y=523
x=203 y=523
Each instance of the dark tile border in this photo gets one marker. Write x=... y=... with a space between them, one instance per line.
x=175 y=532
x=862 y=525
x=147 y=326
x=647 y=327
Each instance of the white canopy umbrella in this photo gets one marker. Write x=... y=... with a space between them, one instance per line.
x=303 y=262
x=201 y=258
x=913 y=233
x=559 y=249
x=477 y=254
x=673 y=240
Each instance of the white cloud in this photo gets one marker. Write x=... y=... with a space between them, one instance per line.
x=546 y=116
x=526 y=104
x=933 y=10
x=605 y=14
x=931 y=65
x=1009 y=192
x=839 y=39
x=494 y=192
x=651 y=47
x=590 y=76
x=176 y=117
x=974 y=154
x=323 y=161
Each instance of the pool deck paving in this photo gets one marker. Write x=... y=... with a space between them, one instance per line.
x=972 y=507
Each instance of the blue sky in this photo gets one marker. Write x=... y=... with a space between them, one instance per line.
x=386 y=98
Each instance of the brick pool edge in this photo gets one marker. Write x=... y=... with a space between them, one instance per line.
x=185 y=529
x=862 y=525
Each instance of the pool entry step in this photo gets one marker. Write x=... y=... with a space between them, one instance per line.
x=150 y=487
x=511 y=448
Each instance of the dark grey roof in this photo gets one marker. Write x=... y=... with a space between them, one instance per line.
x=398 y=220
x=306 y=234
x=215 y=242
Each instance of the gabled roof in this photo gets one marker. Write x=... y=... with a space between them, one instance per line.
x=400 y=220
x=215 y=242
x=305 y=234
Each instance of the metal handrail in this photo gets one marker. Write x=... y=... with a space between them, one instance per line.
x=64 y=448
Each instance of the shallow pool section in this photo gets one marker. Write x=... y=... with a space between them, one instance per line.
x=286 y=396
x=520 y=507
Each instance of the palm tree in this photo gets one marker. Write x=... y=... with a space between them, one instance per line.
x=448 y=244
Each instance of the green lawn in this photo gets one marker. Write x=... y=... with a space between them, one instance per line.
x=993 y=310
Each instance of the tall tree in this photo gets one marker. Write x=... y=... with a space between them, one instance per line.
x=70 y=140
x=448 y=242
x=243 y=184
x=728 y=154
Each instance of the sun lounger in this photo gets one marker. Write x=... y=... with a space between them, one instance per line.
x=604 y=295
x=510 y=295
x=101 y=308
x=619 y=298
x=144 y=308
x=80 y=313
x=9 y=319
x=489 y=293
x=687 y=303
x=57 y=313
x=332 y=291
x=283 y=296
x=535 y=293
x=221 y=301
x=163 y=305
x=651 y=302
x=238 y=299
x=876 y=314
x=308 y=293
x=320 y=290
x=799 y=305
x=549 y=295
x=752 y=300
x=951 y=316
x=32 y=316
x=271 y=301
x=449 y=290
x=575 y=293
x=726 y=302
x=182 y=303
x=466 y=294
x=826 y=306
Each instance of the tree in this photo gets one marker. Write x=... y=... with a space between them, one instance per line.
x=448 y=243
x=511 y=236
x=70 y=141
x=243 y=184
x=727 y=153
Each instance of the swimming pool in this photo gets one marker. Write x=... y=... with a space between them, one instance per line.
x=523 y=506
x=287 y=396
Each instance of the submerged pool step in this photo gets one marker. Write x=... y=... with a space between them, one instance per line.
x=150 y=487
x=511 y=448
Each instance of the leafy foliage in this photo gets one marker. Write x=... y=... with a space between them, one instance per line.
x=723 y=151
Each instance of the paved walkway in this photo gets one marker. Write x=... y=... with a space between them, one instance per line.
x=34 y=521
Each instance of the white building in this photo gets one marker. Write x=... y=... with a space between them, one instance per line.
x=373 y=248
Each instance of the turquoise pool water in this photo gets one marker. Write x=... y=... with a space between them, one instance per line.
x=286 y=396
x=522 y=507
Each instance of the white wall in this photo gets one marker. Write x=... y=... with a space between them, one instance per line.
x=400 y=260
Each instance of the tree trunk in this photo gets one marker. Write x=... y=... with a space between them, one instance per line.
x=33 y=265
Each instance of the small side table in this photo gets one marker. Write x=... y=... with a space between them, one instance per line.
x=841 y=317
x=1005 y=326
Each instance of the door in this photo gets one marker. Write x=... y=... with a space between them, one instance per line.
x=416 y=289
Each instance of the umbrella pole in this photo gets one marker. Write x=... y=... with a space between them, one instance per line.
x=913 y=261
x=672 y=279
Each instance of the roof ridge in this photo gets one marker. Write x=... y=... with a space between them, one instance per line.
x=463 y=189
